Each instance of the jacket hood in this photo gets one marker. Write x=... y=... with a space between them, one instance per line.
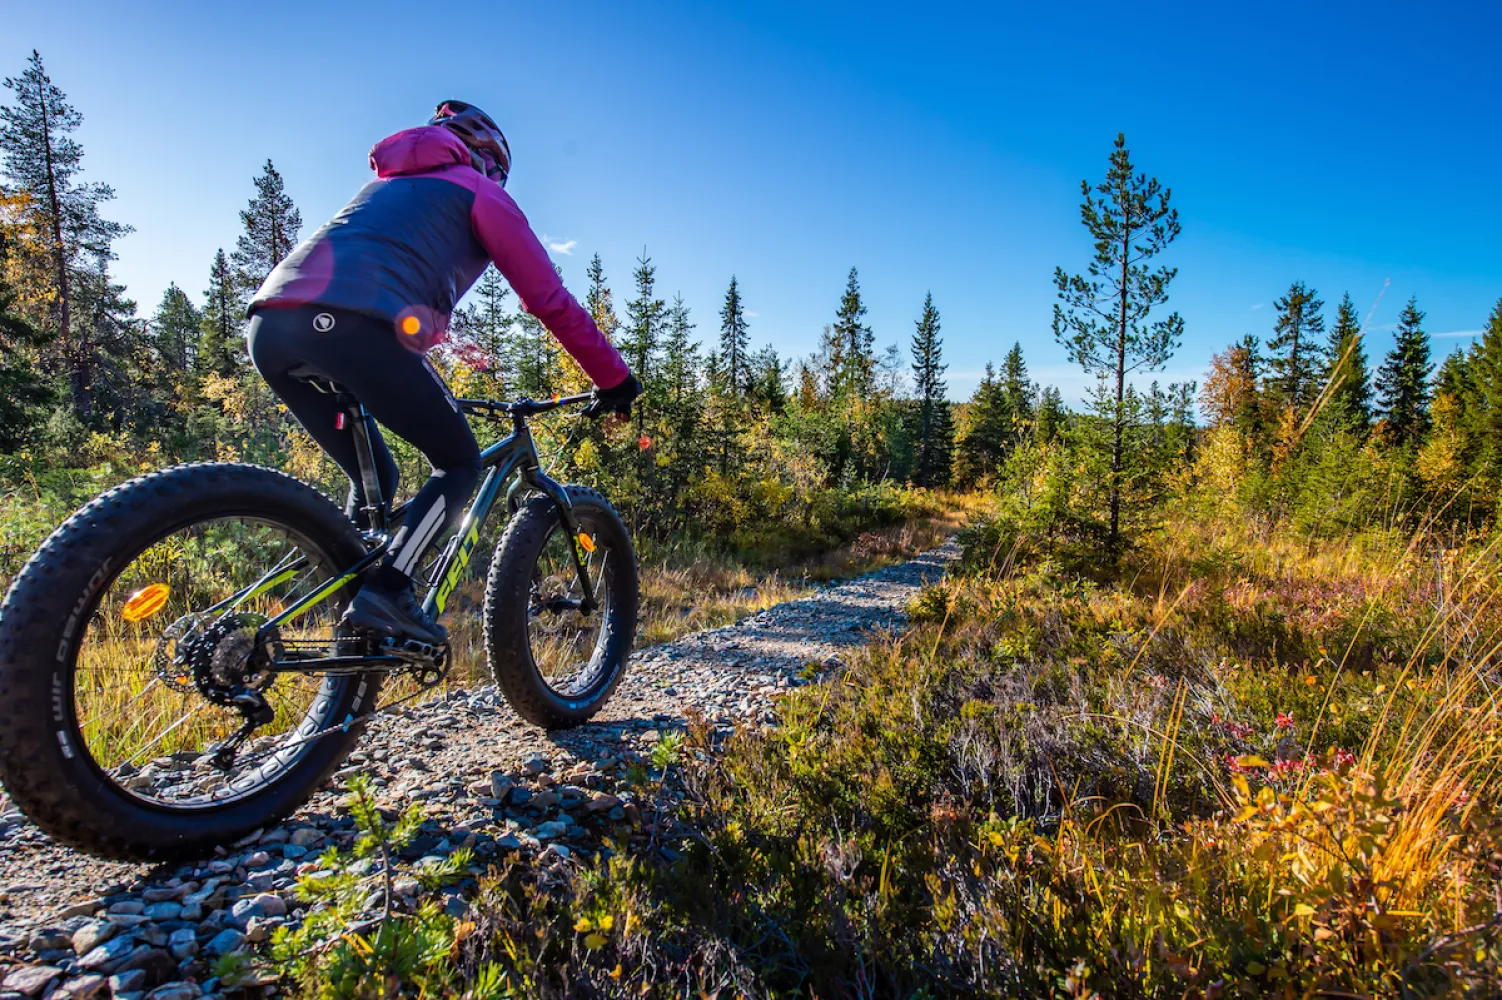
x=417 y=150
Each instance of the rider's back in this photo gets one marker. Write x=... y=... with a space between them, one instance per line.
x=405 y=245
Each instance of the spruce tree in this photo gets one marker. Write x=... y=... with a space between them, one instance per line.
x=735 y=342
x=43 y=160
x=641 y=344
x=23 y=388
x=221 y=349
x=1294 y=352
x=983 y=441
x=271 y=223
x=682 y=404
x=174 y=330
x=933 y=433
x=1403 y=381
x=1017 y=392
x=483 y=329
x=855 y=356
x=1487 y=364
x=1051 y=415
x=1104 y=319
x=769 y=380
x=599 y=302
x=1350 y=400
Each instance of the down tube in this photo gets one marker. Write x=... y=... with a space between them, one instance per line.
x=452 y=570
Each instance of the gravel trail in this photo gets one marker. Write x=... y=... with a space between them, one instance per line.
x=72 y=926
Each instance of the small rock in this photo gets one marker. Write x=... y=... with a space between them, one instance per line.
x=50 y=939
x=246 y=910
x=31 y=979
x=156 y=963
x=306 y=837
x=543 y=800
x=166 y=910
x=292 y=852
x=224 y=942
x=520 y=795
x=534 y=767
x=82 y=908
x=183 y=943
x=500 y=785
x=550 y=829
x=128 y=907
x=179 y=990
x=85 y=987
x=276 y=836
x=107 y=955
x=257 y=860
x=271 y=904
x=602 y=800
x=127 y=982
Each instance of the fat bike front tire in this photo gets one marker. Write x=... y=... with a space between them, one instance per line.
x=55 y=772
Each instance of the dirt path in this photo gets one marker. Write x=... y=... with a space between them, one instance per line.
x=488 y=781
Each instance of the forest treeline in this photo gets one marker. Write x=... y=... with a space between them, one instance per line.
x=735 y=438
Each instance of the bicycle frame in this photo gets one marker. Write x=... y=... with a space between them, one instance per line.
x=513 y=456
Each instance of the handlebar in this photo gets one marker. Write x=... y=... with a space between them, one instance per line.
x=521 y=407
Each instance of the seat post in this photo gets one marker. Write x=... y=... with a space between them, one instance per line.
x=370 y=482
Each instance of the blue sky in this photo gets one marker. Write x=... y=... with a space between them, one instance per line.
x=936 y=147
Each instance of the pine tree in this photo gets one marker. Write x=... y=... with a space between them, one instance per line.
x=933 y=433
x=174 y=330
x=1103 y=322
x=271 y=225
x=682 y=403
x=735 y=342
x=1403 y=380
x=1350 y=400
x=1295 y=349
x=221 y=350
x=43 y=160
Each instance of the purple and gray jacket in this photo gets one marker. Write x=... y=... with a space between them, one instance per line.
x=414 y=240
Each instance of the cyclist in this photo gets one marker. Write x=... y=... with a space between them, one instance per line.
x=363 y=299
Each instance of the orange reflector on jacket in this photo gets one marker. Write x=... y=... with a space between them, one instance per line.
x=586 y=543
x=146 y=602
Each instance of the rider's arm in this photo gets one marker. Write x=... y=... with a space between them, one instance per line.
x=505 y=234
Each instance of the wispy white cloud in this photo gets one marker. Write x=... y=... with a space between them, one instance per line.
x=1256 y=307
x=751 y=314
x=1458 y=333
x=565 y=247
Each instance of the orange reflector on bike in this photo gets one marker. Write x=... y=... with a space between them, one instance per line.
x=644 y=442
x=411 y=326
x=146 y=602
x=586 y=543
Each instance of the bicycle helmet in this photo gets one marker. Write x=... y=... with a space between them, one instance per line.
x=487 y=145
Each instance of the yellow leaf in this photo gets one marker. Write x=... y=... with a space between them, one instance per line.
x=595 y=941
x=615 y=973
x=583 y=924
x=1380 y=689
x=607 y=922
x=1303 y=910
x=1251 y=760
x=1255 y=968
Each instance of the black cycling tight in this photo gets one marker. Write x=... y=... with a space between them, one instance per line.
x=399 y=388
